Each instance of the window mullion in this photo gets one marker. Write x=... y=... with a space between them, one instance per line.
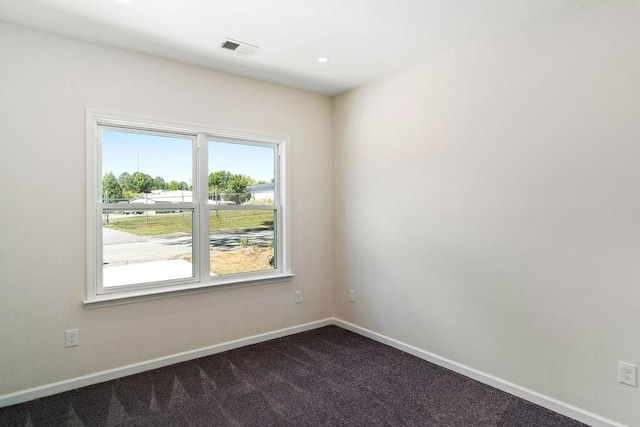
x=202 y=187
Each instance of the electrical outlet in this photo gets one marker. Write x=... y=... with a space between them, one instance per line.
x=352 y=295
x=298 y=297
x=71 y=338
x=627 y=373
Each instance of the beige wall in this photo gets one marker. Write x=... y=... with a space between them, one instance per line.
x=488 y=205
x=45 y=84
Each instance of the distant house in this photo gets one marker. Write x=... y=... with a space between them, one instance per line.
x=164 y=196
x=173 y=196
x=262 y=191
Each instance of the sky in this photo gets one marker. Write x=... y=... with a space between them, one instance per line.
x=171 y=157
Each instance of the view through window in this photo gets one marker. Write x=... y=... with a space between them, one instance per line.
x=146 y=243
x=242 y=240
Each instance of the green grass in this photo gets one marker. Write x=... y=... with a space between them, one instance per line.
x=221 y=221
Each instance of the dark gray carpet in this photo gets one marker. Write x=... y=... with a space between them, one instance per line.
x=325 y=377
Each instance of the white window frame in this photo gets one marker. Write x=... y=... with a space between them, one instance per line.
x=97 y=295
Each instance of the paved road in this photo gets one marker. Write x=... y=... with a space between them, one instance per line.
x=120 y=247
x=230 y=242
x=113 y=237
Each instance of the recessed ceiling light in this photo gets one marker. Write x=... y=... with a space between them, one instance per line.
x=124 y=1
x=323 y=59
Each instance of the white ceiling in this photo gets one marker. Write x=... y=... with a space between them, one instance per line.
x=365 y=39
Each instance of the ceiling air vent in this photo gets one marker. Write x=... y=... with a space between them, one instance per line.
x=238 y=48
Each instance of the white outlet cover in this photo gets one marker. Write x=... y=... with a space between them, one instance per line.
x=71 y=338
x=628 y=374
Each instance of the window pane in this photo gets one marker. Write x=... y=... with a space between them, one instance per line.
x=242 y=241
x=145 y=246
x=241 y=173
x=138 y=166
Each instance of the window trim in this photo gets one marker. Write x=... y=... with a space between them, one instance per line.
x=201 y=282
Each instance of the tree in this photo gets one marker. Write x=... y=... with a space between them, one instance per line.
x=159 y=184
x=129 y=195
x=233 y=187
x=126 y=181
x=142 y=183
x=175 y=185
x=236 y=190
x=111 y=189
x=218 y=182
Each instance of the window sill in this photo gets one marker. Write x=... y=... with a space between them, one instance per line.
x=130 y=297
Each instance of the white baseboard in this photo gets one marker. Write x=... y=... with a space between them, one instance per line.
x=111 y=374
x=136 y=368
x=514 y=389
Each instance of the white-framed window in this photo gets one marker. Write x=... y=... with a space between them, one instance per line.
x=176 y=208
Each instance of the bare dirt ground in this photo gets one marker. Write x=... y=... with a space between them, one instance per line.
x=242 y=261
